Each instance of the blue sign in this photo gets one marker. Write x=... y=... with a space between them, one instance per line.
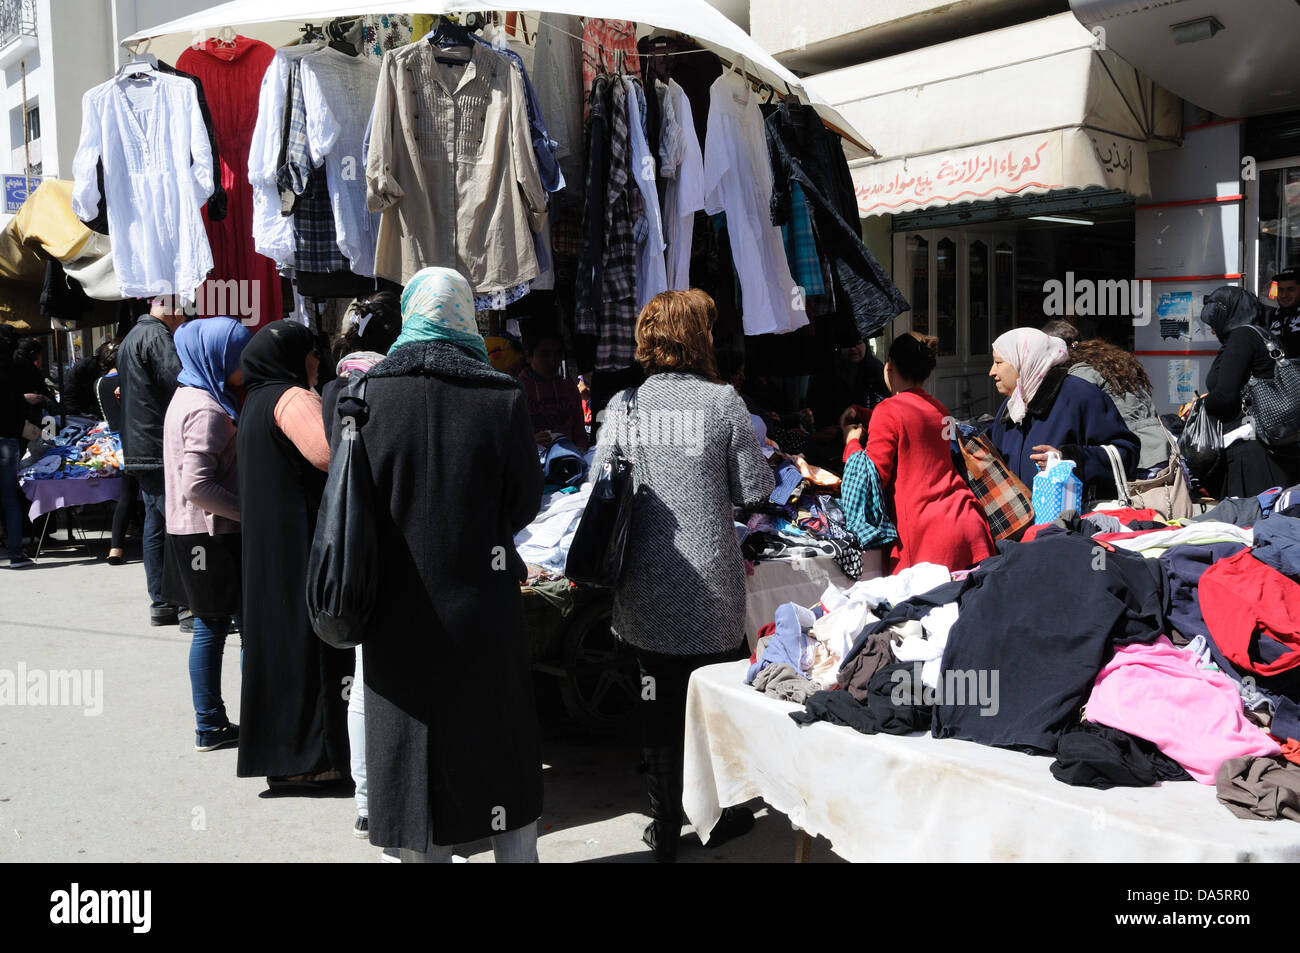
x=16 y=191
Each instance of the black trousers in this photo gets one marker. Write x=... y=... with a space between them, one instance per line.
x=661 y=705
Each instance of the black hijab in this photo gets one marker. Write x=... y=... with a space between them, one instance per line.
x=277 y=356
x=1229 y=308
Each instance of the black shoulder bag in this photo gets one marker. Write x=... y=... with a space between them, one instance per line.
x=342 y=570
x=596 y=555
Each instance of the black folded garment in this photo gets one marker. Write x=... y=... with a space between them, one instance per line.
x=889 y=708
x=1098 y=756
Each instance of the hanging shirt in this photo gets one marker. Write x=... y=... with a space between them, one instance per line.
x=623 y=210
x=651 y=275
x=315 y=234
x=451 y=166
x=339 y=94
x=557 y=80
x=684 y=192
x=157 y=175
x=272 y=232
x=604 y=44
x=738 y=181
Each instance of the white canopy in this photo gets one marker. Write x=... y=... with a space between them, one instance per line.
x=277 y=22
x=1023 y=110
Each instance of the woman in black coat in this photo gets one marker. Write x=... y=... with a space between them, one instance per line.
x=452 y=742
x=293 y=708
x=1248 y=468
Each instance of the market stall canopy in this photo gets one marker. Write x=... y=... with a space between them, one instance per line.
x=277 y=23
x=1023 y=110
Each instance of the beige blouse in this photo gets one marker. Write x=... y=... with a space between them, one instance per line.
x=451 y=167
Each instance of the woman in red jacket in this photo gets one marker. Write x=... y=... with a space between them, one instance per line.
x=937 y=516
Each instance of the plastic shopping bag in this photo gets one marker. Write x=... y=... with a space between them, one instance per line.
x=1056 y=489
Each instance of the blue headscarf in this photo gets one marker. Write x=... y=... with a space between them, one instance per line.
x=209 y=349
x=438 y=305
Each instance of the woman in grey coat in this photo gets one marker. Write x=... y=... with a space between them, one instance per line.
x=681 y=601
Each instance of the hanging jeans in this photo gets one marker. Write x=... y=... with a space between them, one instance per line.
x=206 y=650
x=512 y=847
x=10 y=495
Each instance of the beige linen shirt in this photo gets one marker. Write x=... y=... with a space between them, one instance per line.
x=451 y=167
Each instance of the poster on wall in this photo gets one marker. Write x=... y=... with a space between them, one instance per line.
x=1184 y=380
x=1174 y=312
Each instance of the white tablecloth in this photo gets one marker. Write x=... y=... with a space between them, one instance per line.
x=801 y=581
x=918 y=798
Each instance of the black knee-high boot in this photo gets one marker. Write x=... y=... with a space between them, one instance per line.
x=664 y=779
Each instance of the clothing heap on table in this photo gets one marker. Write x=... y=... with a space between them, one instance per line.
x=79 y=452
x=1130 y=655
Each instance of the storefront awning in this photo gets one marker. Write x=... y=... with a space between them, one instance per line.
x=277 y=23
x=1023 y=110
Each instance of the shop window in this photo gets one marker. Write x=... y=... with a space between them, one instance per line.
x=918 y=266
x=978 y=294
x=945 y=298
x=1279 y=223
x=1004 y=312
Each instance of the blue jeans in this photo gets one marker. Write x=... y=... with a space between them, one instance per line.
x=155 y=532
x=206 y=650
x=10 y=452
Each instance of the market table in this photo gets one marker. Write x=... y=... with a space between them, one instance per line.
x=802 y=581
x=918 y=798
x=50 y=495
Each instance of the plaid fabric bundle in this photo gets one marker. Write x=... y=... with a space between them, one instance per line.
x=316 y=242
x=1006 y=500
x=863 y=503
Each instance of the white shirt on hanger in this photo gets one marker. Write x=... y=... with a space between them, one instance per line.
x=684 y=193
x=340 y=95
x=272 y=232
x=651 y=275
x=738 y=181
x=157 y=159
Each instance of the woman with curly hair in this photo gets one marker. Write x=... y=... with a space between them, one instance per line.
x=681 y=601
x=1121 y=375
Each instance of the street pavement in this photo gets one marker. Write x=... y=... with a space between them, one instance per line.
x=125 y=784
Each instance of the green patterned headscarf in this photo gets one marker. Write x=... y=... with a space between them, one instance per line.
x=438 y=305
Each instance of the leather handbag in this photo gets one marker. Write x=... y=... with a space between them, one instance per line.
x=596 y=555
x=1007 y=502
x=342 y=569
x=1274 y=403
x=1168 y=492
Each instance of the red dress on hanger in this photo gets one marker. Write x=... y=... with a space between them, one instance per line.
x=232 y=80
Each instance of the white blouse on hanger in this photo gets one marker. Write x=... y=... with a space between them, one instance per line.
x=157 y=159
x=340 y=96
x=684 y=192
x=651 y=273
x=738 y=181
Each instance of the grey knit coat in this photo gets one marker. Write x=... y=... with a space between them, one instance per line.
x=694 y=454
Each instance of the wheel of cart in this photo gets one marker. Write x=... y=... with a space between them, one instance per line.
x=598 y=675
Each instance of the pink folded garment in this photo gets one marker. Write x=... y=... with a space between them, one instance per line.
x=1192 y=714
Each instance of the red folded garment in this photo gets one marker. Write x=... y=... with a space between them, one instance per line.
x=1244 y=601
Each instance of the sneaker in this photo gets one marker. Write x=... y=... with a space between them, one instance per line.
x=22 y=562
x=164 y=618
x=186 y=620
x=361 y=828
x=734 y=822
x=391 y=855
x=221 y=738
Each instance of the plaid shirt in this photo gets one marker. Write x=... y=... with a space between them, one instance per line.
x=316 y=243
x=864 y=503
x=801 y=244
x=592 y=247
x=623 y=206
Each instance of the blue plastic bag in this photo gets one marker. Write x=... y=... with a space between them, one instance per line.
x=1056 y=489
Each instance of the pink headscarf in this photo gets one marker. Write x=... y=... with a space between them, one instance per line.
x=1032 y=353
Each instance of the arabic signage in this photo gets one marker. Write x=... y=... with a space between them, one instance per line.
x=1059 y=159
x=16 y=191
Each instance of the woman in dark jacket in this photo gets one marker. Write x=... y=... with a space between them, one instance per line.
x=293 y=714
x=681 y=600
x=452 y=743
x=1248 y=467
x=1047 y=411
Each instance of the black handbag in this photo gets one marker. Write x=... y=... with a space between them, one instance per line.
x=1201 y=442
x=342 y=570
x=596 y=554
x=1274 y=403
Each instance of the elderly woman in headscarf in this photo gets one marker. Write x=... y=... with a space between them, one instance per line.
x=1048 y=411
x=201 y=554
x=452 y=743
x=293 y=709
x=1248 y=467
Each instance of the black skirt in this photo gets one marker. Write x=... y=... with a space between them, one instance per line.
x=202 y=573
